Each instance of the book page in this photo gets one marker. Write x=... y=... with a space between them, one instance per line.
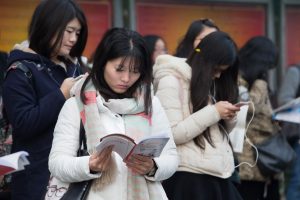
x=122 y=144
x=13 y=162
x=290 y=105
x=152 y=145
x=292 y=115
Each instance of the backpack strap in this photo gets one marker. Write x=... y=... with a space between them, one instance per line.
x=82 y=150
x=21 y=66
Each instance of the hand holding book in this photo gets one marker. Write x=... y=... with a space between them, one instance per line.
x=150 y=146
x=142 y=165
x=13 y=162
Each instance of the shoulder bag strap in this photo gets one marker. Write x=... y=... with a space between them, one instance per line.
x=82 y=150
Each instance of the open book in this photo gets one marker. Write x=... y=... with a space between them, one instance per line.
x=123 y=145
x=288 y=112
x=13 y=162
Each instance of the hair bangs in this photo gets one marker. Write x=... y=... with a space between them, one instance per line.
x=136 y=60
x=132 y=63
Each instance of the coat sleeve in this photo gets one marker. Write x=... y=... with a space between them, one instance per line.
x=184 y=129
x=29 y=115
x=167 y=163
x=289 y=86
x=63 y=161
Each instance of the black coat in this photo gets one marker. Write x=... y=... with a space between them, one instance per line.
x=32 y=105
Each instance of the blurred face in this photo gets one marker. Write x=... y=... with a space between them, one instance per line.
x=218 y=71
x=70 y=37
x=159 y=49
x=206 y=30
x=119 y=76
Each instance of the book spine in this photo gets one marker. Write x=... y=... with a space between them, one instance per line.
x=130 y=152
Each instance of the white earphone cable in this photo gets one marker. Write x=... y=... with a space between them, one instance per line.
x=247 y=139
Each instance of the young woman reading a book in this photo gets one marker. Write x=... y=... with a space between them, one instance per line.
x=115 y=98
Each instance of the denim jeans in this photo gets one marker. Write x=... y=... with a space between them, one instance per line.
x=293 y=190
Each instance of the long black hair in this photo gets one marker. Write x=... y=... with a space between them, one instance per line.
x=215 y=50
x=126 y=44
x=48 y=24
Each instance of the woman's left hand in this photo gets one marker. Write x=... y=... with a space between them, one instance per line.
x=139 y=164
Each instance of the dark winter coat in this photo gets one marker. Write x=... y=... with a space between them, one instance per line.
x=32 y=104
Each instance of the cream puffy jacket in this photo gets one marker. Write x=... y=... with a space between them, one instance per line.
x=172 y=77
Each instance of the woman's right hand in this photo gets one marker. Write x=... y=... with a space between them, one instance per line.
x=66 y=86
x=99 y=162
x=226 y=110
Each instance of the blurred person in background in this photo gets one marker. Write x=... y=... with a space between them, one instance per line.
x=256 y=58
x=37 y=85
x=289 y=90
x=196 y=32
x=156 y=45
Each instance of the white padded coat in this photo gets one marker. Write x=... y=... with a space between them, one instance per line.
x=65 y=166
x=172 y=77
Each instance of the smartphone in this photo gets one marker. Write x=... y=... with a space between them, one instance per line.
x=242 y=103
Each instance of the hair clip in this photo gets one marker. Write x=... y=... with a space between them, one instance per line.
x=197 y=50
